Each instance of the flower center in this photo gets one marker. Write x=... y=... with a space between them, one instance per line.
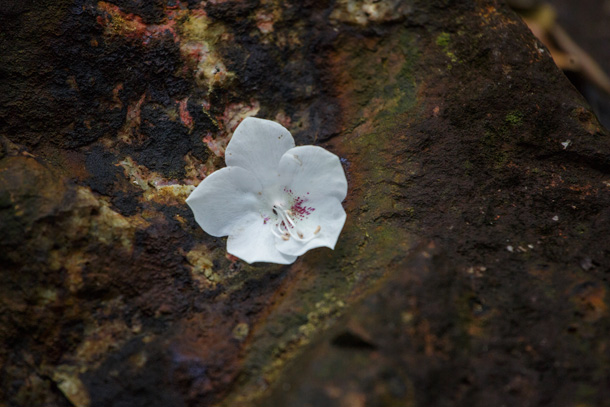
x=290 y=216
x=285 y=226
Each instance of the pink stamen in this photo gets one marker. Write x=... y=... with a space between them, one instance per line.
x=287 y=219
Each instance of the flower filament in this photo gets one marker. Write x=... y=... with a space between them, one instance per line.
x=286 y=227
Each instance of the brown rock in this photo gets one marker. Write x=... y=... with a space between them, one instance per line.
x=460 y=139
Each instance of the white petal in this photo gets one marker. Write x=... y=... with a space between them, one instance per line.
x=253 y=242
x=258 y=145
x=329 y=216
x=312 y=172
x=223 y=199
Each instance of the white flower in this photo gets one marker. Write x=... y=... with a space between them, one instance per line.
x=275 y=201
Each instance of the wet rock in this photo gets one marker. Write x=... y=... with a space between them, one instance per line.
x=451 y=121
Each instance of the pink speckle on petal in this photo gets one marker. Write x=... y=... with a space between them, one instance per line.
x=298 y=207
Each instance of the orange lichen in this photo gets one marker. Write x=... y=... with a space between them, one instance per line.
x=264 y=22
x=590 y=299
x=185 y=116
x=117 y=22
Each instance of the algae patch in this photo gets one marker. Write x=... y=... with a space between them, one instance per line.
x=443 y=41
x=514 y=118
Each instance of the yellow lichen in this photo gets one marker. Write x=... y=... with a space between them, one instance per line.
x=101 y=222
x=241 y=330
x=156 y=188
x=139 y=359
x=67 y=379
x=46 y=295
x=100 y=337
x=198 y=37
x=202 y=268
x=362 y=12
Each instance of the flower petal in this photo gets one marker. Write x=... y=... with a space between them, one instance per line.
x=253 y=242
x=329 y=216
x=258 y=145
x=223 y=199
x=313 y=172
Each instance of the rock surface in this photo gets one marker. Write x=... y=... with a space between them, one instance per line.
x=473 y=267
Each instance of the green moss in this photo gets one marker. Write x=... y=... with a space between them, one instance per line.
x=489 y=139
x=409 y=212
x=514 y=118
x=382 y=96
x=500 y=159
x=581 y=229
x=443 y=41
x=585 y=393
x=393 y=103
x=373 y=240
